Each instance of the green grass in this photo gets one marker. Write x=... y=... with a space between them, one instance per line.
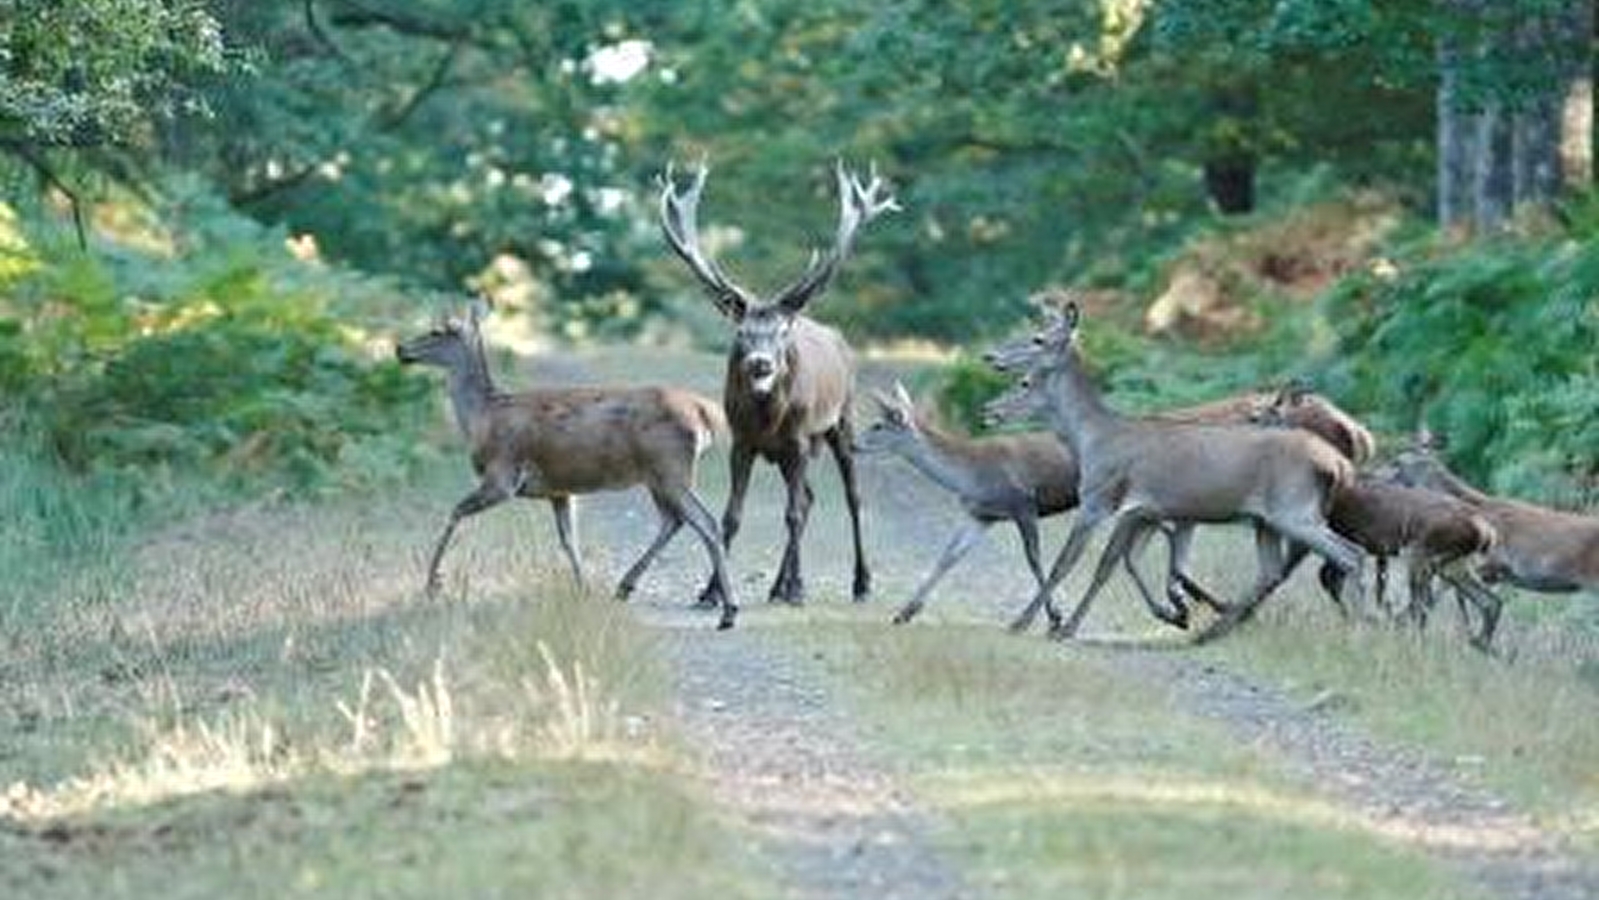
x=1060 y=775
x=1525 y=725
x=261 y=699
x=472 y=829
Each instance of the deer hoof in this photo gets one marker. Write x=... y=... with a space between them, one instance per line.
x=726 y=622
x=789 y=592
x=709 y=598
x=1176 y=617
x=905 y=615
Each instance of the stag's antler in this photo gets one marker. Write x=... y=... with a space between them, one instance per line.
x=679 y=224
x=857 y=205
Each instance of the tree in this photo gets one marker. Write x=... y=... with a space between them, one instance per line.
x=1515 y=107
x=80 y=77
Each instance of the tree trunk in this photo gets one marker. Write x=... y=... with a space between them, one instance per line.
x=1493 y=177
x=1535 y=155
x=1575 y=140
x=1456 y=142
x=1231 y=184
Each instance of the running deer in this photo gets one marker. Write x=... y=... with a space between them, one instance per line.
x=1539 y=549
x=790 y=380
x=1145 y=471
x=1016 y=478
x=1291 y=406
x=557 y=443
x=1434 y=532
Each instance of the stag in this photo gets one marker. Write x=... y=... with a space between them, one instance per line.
x=1539 y=549
x=1145 y=471
x=555 y=444
x=790 y=380
x=1016 y=478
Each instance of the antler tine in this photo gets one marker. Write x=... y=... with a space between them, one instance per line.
x=680 y=224
x=857 y=205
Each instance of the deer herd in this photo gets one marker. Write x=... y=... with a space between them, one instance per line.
x=1289 y=463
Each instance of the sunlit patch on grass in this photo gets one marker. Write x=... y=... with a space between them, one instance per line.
x=1155 y=792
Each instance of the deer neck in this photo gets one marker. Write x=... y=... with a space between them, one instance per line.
x=1075 y=409
x=472 y=390
x=1450 y=483
x=943 y=458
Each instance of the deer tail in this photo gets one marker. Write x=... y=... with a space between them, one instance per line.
x=712 y=424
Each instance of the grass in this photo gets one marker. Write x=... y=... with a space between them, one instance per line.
x=1526 y=725
x=1060 y=775
x=261 y=699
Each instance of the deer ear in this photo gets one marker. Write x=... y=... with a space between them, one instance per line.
x=1070 y=314
x=903 y=396
x=1295 y=389
x=884 y=404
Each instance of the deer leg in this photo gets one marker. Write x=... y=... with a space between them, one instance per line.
x=1419 y=583
x=1088 y=519
x=489 y=493
x=789 y=587
x=1180 y=588
x=692 y=511
x=1121 y=537
x=1176 y=614
x=1027 y=527
x=964 y=540
x=740 y=460
x=841 y=440
x=566 y=530
x=1488 y=603
x=1271 y=570
x=1380 y=564
x=671 y=522
x=1333 y=547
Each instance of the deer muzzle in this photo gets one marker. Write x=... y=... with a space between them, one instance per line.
x=760 y=371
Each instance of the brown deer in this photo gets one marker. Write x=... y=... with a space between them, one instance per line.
x=557 y=443
x=1294 y=405
x=1435 y=532
x=1539 y=549
x=1145 y=471
x=1016 y=478
x=790 y=380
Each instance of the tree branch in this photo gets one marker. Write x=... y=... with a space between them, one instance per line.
x=322 y=37
x=358 y=15
x=47 y=174
x=437 y=80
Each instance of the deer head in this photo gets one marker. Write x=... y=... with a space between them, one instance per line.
x=895 y=428
x=1044 y=348
x=453 y=344
x=761 y=344
x=1417 y=464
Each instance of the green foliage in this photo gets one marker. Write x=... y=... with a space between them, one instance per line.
x=1492 y=348
x=228 y=362
x=80 y=73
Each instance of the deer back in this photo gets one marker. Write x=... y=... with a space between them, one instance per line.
x=1384 y=518
x=577 y=440
x=1215 y=472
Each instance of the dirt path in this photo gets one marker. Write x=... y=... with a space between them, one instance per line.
x=779 y=754
x=1407 y=794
